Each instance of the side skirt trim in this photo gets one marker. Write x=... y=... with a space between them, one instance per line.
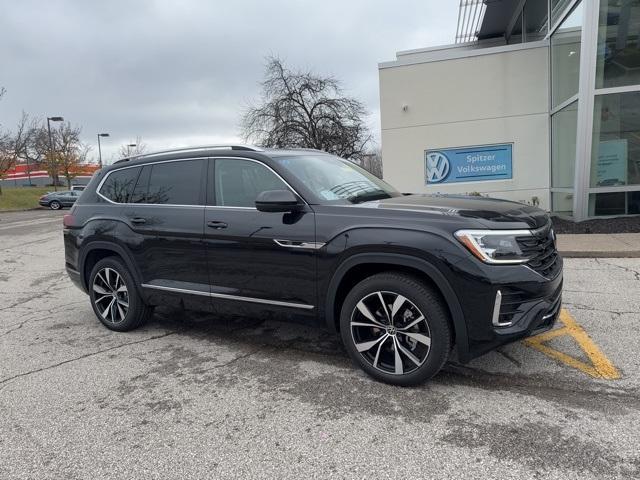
x=230 y=297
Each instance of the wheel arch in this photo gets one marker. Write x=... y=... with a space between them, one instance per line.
x=96 y=251
x=370 y=263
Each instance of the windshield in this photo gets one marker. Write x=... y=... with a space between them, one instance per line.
x=334 y=179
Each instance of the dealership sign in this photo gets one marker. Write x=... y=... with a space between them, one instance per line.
x=468 y=164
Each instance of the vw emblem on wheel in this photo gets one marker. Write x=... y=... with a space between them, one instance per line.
x=437 y=167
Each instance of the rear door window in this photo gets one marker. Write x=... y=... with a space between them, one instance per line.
x=140 y=192
x=119 y=184
x=176 y=183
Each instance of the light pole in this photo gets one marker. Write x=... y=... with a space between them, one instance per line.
x=53 y=176
x=129 y=146
x=99 y=150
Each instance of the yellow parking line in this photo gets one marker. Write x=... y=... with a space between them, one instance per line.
x=601 y=366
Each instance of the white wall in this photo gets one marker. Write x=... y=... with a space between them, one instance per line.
x=482 y=99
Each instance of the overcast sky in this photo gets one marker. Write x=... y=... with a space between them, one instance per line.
x=180 y=72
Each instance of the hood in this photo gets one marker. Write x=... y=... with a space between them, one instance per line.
x=492 y=213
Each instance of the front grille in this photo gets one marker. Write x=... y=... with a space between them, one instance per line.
x=541 y=248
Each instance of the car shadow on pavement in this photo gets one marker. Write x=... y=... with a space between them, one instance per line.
x=290 y=344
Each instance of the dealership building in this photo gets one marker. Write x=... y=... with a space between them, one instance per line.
x=538 y=101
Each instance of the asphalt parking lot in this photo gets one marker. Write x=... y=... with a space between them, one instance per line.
x=189 y=396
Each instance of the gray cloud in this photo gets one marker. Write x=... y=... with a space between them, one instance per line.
x=179 y=73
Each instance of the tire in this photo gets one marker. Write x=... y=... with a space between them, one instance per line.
x=114 y=296
x=55 y=205
x=371 y=339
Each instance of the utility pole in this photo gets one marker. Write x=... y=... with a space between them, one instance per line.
x=99 y=149
x=53 y=119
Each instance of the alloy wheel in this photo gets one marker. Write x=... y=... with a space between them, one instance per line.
x=55 y=205
x=390 y=332
x=111 y=296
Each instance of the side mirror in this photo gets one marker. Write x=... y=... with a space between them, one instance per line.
x=277 y=201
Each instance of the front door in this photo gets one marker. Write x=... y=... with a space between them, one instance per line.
x=257 y=258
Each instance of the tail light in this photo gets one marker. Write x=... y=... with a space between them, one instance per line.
x=69 y=221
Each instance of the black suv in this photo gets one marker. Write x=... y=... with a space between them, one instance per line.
x=405 y=279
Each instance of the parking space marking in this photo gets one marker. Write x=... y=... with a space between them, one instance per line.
x=601 y=366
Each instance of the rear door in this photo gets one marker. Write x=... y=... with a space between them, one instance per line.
x=257 y=258
x=165 y=218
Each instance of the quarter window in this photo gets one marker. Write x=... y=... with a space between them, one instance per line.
x=118 y=186
x=239 y=182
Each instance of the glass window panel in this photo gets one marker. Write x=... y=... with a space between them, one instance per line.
x=140 y=191
x=176 y=183
x=618 y=61
x=516 y=33
x=562 y=203
x=557 y=9
x=119 y=184
x=615 y=154
x=614 y=203
x=565 y=57
x=239 y=182
x=564 y=125
x=535 y=20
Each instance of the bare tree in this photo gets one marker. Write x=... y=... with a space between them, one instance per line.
x=12 y=144
x=138 y=148
x=302 y=109
x=7 y=159
x=372 y=162
x=24 y=142
x=70 y=152
x=7 y=155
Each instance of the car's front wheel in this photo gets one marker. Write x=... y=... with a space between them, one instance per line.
x=396 y=328
x=114 y=297
x=55 y=205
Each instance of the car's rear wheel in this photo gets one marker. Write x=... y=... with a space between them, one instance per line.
x=396 y=328
x=114 y=297
x=55 y=205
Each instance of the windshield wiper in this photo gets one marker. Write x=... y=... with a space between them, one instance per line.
x=368 y=196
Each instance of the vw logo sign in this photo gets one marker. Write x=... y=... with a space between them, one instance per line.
x=437 y=167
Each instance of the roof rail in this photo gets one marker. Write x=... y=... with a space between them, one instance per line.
x=250 y=148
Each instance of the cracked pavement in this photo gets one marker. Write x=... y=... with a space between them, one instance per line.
x=191 y=396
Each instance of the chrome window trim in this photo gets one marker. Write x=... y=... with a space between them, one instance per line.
x=230 y=207
x=184 y=159
x=230 y=297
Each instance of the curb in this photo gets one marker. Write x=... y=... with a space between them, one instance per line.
x=22 y=210
x=600 y=254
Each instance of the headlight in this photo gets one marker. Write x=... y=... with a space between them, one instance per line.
x=494 y=246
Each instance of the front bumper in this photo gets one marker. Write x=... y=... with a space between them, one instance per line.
x=530 y=304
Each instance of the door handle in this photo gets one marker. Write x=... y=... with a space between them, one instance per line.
x=138 y=220
x=217 y=225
